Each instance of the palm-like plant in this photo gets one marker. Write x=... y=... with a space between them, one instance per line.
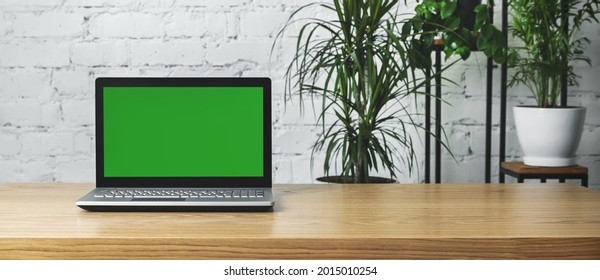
x=546 y=47
x=361 y=70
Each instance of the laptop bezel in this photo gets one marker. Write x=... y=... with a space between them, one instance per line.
x=183 y=182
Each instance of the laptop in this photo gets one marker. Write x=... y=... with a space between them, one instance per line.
x=182 y=144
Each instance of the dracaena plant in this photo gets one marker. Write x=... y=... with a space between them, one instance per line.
x=546 y=50
x=359 y=66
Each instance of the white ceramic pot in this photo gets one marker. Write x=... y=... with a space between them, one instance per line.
x=549 y=136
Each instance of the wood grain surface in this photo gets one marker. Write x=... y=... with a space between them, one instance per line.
x=521 y=168
x=324 y=221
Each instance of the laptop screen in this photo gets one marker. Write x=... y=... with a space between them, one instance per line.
x=183 y=131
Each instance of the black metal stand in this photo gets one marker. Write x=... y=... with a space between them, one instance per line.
x=488 y=117
x=503 y=93
x=488 y=111
x=563 y=77
x=428 y=128
x=438 y=115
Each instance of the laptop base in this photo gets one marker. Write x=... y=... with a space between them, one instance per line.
x=177 y=208
x=96 y=200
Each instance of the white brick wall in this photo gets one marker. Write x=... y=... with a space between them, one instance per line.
x=159 y=52
x=47 y=143
x=27 y=5
x=2 y=25
x=262 y=24
x=99 y=3
x=21 y=114
x=34 y=53
x=254 y=51
x=47 y=25
x=25 y=83
x=78 y=112
x=73 y=83
x=52 y=50
x=9 y=145
x=109 y=53
x=127 y=25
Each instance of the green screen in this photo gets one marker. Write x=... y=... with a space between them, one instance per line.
x=183 y=131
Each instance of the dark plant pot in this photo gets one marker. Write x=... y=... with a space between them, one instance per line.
x=350 y=180
x=467 y=7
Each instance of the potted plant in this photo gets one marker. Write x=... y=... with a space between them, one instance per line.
x=358 y=68
x=362 y=66
x=548 y=133
x=463 y=25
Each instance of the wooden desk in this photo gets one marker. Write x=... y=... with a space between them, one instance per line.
x=41 y=221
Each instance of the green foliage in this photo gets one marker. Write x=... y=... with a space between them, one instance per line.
x=359 y=66
x=460 y=35
x=546 y=49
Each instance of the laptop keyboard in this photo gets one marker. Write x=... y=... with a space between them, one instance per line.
x=162 y=193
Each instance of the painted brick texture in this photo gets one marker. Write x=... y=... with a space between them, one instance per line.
x=51 y=51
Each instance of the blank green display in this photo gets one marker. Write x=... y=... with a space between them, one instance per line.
x=183 y=132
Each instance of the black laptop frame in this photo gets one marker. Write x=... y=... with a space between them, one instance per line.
x=183 y=182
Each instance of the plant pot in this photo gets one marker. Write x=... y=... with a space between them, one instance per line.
x=350 y=180
x=549 y=136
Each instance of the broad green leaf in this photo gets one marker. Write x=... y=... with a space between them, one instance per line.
x=481 y=43
x=513 y=58
x=464 y=52
x=465 y=36
x=499 y=56
x=452 y=23
x=481 y=16
x=448 y=51
x=488 y=52
x=498 y=42
x=480 y=8
x=448 y=10
x=487 y=31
